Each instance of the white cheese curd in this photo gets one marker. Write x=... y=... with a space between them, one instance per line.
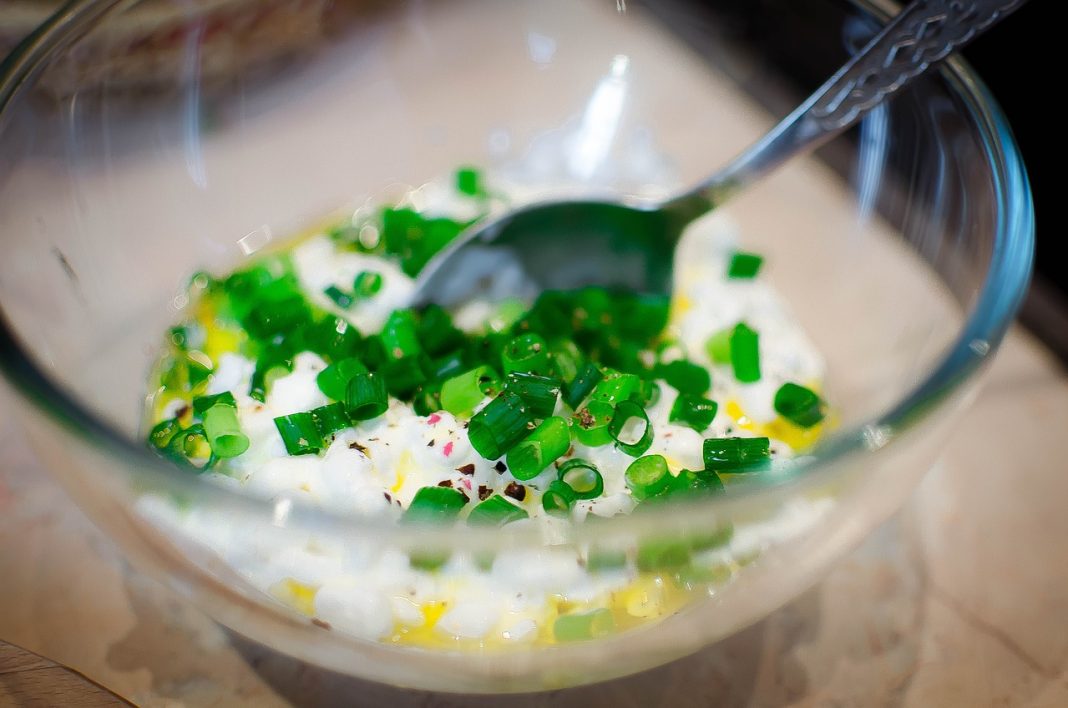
x=371 y=590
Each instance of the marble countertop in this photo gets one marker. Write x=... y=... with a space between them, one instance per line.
x=959 y=600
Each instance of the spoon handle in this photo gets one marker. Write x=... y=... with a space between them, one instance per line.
x=921 y=35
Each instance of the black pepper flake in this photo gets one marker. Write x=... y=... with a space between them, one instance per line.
x=431 y=443
x=389 y=499
x=464 y=494
x=466 y=424
x=357 y=446
x=570 y=451
x=585 y=418
x=445 y=483
x=372 y=439
x=468 y=469
x=516 y=491
x=484 y=492
x=500 y=467
x=319 y=623
x=182 y=410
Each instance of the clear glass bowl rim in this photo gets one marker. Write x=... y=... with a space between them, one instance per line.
x=1003 y=289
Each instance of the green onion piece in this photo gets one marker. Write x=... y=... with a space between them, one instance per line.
x=583 y=478
x=647 y=476
x=496 y=511
x=201 y=404
x=693 y=411
x=648 y=393
x=663 y=554
x=365 y=397
x=269 y=318
x=224 y=431
x=538 y=392
x=460 y=394
x=558 y=498
x=541 y=448
x=427 y=399
x=334 y=380
x=590 y=423
x=469 y=182
x=745 y=353
x=625 y=412
x=497 y=428
x=190 y=444
x=585 y=381
x=435 y=505
x=616 y=387
x=340 y=298
x=799 y=405
x=446 y=366
x=566 y=358
x=299 y=434
x=527 y=353
x=269 y=367
x=700 y=482
x=330 y=419
x=718 y=346
x=736 y=454
x=428 y=559
x=643 y=317
x=332 y=338
x=713 y=539
x=399 y=336
x=367 y=284
x=744 y=265
x=437 y=334
x=403 y=375
x=685 y=376
x=580 y=626
x=163 y=432
x=605 y=559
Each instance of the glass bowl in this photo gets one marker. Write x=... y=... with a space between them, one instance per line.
x=144 y=141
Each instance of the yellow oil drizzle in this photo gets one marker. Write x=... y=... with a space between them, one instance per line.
x=295 y=594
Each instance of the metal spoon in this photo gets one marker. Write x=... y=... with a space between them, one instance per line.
x=569 y=244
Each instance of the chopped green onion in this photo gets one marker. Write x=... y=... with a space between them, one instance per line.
x=269 y=318
x=332 y=338
x=334 y=380
x=469 y=182
x=340 y=298
x=663 y=554
x=616 y=387
x=460 y=394
x=538 y=392
x=647 y=476
x=365 y=396
x=403 y=375
x=163 y=432
x=541 y=448
x=223 y=430
x=687 y=482
x=566 y=359
x=330 y=419
x=745 y=353
x=527 y=353
x=427 y=399
x=399 y=336
x=648 y=393
x=201 y=404
x=583 y=478
x=299 y=434
x=736 y=454
x=189 y=444
x=496 y=429
x=434 y=505
x=643 y=317
x=558 y=498
x=685 y=376
x=580 y=626
x=718 y=346
x=713 y=539
x=587 y=378
x=799 y=405
x=590 y=423
x=269 y=367
x=626 y=411
x=437 y=334
x=367 y=284
x=744 y=265
x=445 y=367
x=693 y=411
x=496 y=511
x=605 y=559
